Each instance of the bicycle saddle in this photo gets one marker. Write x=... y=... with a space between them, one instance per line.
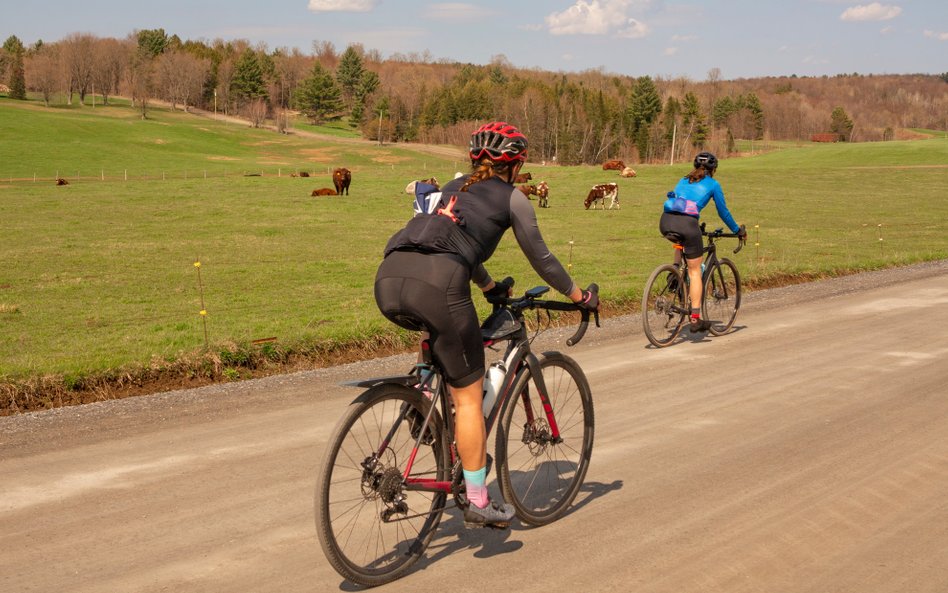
x=499 y=325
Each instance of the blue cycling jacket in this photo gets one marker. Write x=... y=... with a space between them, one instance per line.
x=691 y=198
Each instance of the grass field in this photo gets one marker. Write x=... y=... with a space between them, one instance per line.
x=100 y=275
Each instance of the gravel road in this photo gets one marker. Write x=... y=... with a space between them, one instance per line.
x=807 y=451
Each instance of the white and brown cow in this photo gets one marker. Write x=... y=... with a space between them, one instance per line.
x=543 y=193
x=602 y=192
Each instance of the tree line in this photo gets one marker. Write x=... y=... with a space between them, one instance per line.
x=583 y=117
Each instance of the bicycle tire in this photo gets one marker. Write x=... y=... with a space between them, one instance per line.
x=663 y=306
x=722 y=296
x=350 y=499
x=541 y=478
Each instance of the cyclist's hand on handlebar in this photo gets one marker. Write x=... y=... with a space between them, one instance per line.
x=742 y=233
x=590 y=300
x=500 y=289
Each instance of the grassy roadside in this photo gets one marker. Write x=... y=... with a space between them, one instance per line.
x=100 y=296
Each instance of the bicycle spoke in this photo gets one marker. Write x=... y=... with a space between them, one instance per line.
x=371 y=527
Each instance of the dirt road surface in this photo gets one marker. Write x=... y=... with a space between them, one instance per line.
x=805 y=452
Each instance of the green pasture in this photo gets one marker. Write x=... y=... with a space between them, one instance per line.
x=101 y=275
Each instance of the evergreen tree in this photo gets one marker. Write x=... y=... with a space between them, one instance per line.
x=18 y=78
x=840 y=124
x=367 y=85
x=756 y=110
x=722 y=110
x=152 y=42
x=693 y=121
x=248 y=82
x=349 y=72
x=645 y=105
x=318 y=96
x=17 y=82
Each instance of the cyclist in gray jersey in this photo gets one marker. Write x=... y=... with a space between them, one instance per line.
x=424 y=283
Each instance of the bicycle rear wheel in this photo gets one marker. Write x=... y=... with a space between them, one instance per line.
x=538 y=474
x=372 y=527
x=663 y=305
x=722 y=296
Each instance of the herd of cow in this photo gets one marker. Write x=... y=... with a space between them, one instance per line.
x=598 y=195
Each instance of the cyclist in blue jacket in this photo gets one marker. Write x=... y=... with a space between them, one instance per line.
x=679 y=223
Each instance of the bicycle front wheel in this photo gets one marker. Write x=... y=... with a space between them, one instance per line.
x=372 y=525
x=663 y=305
x=540 y=473
x=722 y=296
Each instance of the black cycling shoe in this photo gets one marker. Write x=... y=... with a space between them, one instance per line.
x=698 y=325
x=494 y=515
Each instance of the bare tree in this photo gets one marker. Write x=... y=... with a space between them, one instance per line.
x=44 y=71
x=256 y=111
x=168 y=68
x=140 y=77
x=108 y=63
x=78 y=56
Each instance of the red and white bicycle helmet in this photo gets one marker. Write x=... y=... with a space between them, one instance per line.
x=498 y=141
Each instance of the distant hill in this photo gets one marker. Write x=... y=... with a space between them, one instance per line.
x=569 y=117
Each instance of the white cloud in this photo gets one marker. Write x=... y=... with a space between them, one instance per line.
x=871 y=12
x=598 y=17
x=670 y=51
x=342 y=5
x=938 y=36
x=633 y=30
x=455 y=12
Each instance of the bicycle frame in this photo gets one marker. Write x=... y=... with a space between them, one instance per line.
x=518 y=358
x=710 y=259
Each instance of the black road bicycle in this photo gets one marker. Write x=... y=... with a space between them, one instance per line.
x=666 y=303
x=391 y=462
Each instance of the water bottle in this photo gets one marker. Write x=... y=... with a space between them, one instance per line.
x=492 y=384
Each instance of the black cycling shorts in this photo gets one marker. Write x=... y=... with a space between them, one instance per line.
x=687 y=228
x=433 y=292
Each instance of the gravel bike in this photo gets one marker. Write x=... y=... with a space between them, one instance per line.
x=391 y=462
x=667 y=303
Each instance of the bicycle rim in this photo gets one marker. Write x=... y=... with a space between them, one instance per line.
x=369 y=534
x=722 y=297
x=663 y=308
x=538 y=476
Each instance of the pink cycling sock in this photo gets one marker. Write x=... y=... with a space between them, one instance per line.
x=478 y=496
x=475 y=484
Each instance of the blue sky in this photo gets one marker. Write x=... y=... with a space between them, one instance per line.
x=741 y=38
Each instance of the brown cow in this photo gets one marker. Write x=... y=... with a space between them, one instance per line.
x=324 y=191
x=528 y=190
x=341 y=178
x=523 y=178
x=543 y=194
x=304 y=174
x=602 y=192
x=61 y=181
x=627 y=172
x=613 y=165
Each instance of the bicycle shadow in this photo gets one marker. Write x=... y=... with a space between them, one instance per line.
x=453 y=537
x=697 y=338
